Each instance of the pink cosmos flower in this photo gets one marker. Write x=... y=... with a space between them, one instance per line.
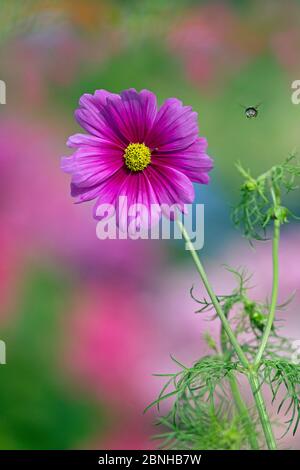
x=133 y=149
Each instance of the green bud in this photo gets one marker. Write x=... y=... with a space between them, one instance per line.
x=210 y=341
x=249 y=185
x=281 y=213
x=257 y=316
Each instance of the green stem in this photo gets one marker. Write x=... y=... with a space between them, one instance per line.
x=262 y=411
x=272 y=311
x=238 y=400
x=216 y=304
x=243 y=412
x=253 y=379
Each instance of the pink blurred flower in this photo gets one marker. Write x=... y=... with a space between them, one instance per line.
x=212 y=43
x=39 y=217
x=107 y=346
x=118 y=338
x=39 y=59
x=286 y=47
x=119 y=341
x=10 y=271
x=215 y=41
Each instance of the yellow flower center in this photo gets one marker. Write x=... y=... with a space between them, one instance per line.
x=137 y=157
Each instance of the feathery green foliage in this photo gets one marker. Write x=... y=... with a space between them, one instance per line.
x=199 y=427
x=205 y=378
x=260 y=198
x=249 y=317
x=201 y=416
x=250 y=342
x=284 y=376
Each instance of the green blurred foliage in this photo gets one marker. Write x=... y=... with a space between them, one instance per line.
x=38 y=407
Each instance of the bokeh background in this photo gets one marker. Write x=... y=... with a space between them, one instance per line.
x=87 y=322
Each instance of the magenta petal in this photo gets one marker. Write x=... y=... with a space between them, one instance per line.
x=171 y=186
x=138 y=191
x=108 y=190
x=95 y=102
x=97 y=126
x=80 y=140
x=133 y=115
x=84 y=194
x=174 y=128
x=91 y=166
x=193 y=161
x=92 y=117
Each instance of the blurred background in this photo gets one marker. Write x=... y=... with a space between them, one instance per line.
x=87 y=322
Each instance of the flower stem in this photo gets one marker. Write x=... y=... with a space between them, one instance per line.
x=262 y=411
x=238 y=400
x=216 y=304
x=243 y=412
x=272 y=311
x=252 y=376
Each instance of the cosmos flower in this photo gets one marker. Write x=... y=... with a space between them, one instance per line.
x=132 y=149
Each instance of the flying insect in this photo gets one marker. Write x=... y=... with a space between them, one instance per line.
x=251 y=111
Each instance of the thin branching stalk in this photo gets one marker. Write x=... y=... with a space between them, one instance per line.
x=274 y=298
x=262 y=411
x=243 y=412
x=252 y=375
x=260 y=358
x=239 y=402
x=242 y=357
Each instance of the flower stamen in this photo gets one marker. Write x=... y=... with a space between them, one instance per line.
x=137 y=157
